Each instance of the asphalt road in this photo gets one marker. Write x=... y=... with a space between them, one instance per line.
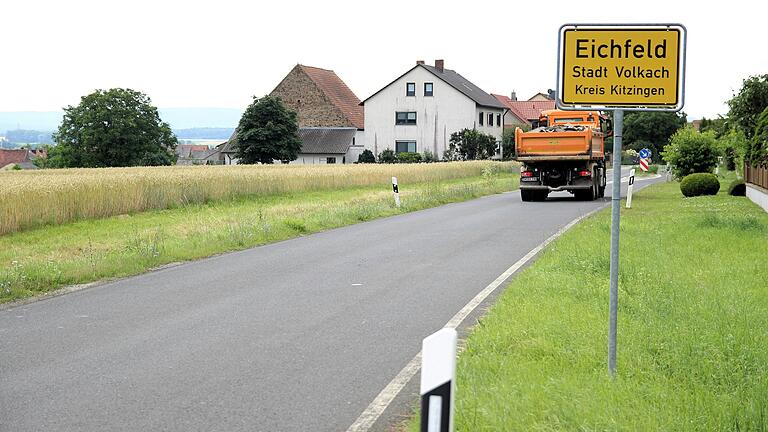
x=299 y=335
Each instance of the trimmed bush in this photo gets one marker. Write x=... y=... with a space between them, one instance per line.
x=699 y=184
x=737 y=188
x=408 y=157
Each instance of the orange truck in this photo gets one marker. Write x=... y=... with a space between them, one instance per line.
x=564 y=152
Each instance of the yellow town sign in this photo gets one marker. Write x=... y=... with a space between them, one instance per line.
x=640 y=67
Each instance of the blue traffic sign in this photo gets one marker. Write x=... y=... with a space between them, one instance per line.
x=645 y=153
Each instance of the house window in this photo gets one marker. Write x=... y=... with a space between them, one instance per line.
x=498 y=119
x=410 y=89
x=480 y=119
x=428 y=88
x=330 y=160
x=405 y=146
x=405 y=118
x=490 y=119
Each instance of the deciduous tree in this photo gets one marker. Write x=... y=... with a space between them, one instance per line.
x=651 y=129
x=690 y=151
x=268 y=131
x=112 y=128
x=746 y=106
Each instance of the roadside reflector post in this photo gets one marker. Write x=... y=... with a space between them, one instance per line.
x=630 y=187
x=396 y=192
x=438 y=375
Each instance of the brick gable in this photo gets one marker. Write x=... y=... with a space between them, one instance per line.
x=319 y=98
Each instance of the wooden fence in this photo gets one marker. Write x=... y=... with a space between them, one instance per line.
x=757 y=175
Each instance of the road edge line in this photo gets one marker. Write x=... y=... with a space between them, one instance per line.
x=376 y=408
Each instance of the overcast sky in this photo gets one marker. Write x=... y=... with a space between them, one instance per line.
x=221 y=53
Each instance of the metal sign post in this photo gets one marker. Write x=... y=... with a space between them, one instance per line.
x=438 y=377
x=613 y=301
x=620 y=67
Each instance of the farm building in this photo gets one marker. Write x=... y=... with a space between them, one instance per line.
x=328 y=113
x=19 y=158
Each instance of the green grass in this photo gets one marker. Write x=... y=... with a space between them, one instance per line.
x=692 y=329
x=43 y=259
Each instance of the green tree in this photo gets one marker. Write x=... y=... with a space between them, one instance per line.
x=112 y=128
x=733 y=146
x=508 y=143
x=746 y=106
x=469 y=144
x=757 y=153
x=690 y=151
x=719 y=126
x=650 y=129
x=366 y=157
x=268 y=131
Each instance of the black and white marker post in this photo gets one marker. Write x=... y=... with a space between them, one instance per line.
x=630 y=187
x=396 y=192
x=438 y=374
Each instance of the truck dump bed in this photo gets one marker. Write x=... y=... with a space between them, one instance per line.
x=560 y=142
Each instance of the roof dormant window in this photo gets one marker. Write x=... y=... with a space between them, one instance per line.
x=410 y=89
x=405 y=118
x=428 y=88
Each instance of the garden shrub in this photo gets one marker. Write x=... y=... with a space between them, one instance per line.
x=429 y=157
x=408 y=157
x=737 y=188
x=699 y=184
x=366 y=157
x=690 y=151
x=387 y=156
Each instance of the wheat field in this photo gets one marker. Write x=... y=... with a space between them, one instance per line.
x=35 y=198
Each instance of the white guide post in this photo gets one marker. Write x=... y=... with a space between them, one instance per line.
x=396 y=192
x=438 y=375
x=631 y=186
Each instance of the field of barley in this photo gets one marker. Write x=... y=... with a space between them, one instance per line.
x=33 y=198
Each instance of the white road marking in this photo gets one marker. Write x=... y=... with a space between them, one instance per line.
x=372 y=413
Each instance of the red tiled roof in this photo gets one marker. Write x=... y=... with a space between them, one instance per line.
x=13 y=157
x=338 y=92
x=526 y=110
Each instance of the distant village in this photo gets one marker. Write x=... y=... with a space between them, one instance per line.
x=416 y=112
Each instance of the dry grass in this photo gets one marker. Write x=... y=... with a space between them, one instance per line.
x=34 y=198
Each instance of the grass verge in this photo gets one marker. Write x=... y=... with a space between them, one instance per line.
x=692 y=331
x=43 y=259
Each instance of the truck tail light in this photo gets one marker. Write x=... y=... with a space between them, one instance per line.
x=585 y=173
x=527 y=174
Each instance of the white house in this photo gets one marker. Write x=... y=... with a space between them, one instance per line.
x=419 y=111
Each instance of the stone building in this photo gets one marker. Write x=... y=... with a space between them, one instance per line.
x=321 y=100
